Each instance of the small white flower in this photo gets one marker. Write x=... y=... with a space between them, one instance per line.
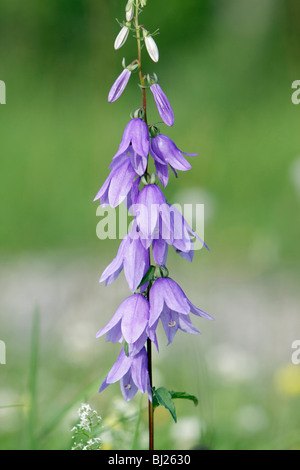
x=121 y=38
x=151 y=46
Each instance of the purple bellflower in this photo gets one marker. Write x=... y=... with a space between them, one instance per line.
x=133 y=374
x=164 y=152
x=132 y=257
x=136 y=134
x=163 y=105
x=119 y=86
x=169 y=303
x=157 y=225
x=129 y=323
x=147 y=210
x=118 y=184
x=157 y=220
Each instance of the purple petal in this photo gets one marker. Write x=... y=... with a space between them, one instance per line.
x=120 y=368
x=116 y=266
x=114 y=335
x=134 y=348
x=133 y=195
x=186 y=325
x=162 y=172
x=104 y=385
x=169 y=320
x=121 y=183
x=128 y=387
x=156 y=301
x=174 y=296
x=139 y=370
x=140 y=137
x=135 y=317
x=138 y=162
x=103 y=192
x=188 y=256
x=118 y=159
x=197 y=311
x=113 y=322
x=160 y=251
x=147 y=209
x=136 y=262
x=166 y=150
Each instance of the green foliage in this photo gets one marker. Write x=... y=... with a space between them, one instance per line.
x=164 y=397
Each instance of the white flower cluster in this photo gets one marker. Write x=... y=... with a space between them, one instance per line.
x=83 y=432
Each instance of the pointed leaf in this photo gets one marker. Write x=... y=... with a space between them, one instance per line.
x=184 y=396
x=163 y=397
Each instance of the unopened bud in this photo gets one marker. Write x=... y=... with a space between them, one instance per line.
x=129 y=10
x=139 y=113
x=154 y=131
x=121 y=38
x=151 y=46
x=143 y=3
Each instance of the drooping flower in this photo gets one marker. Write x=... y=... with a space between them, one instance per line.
x=163 y=105
x=133 y=257
x=147 y=211
x=117 y=185
x=169 y=303
x=151 y=46
x=165 y=152
x=136 y=141
x=121 y=38
x=119 y=85
x=157 y=220
x=129 y=323
x=132 y=372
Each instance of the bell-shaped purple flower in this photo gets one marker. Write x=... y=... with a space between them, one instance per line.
x=147 y=211
x=169 y=303
x=133 y=257
x=119 y=86
x=136 y=140
x=133 y=374
x=163 y=105
x=176 y=231
x=130 y=322
x=164 y=152
x=117 y=185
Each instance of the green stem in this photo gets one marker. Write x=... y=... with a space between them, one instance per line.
x=138 y=422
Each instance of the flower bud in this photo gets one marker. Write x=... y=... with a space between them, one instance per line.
x=119 y=86
x=151 y=46
x=129 y=10
x=121 y=38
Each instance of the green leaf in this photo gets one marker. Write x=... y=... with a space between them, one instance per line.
x=148 y=276
x=163 y=397
x=126 y=348
x=184 y=396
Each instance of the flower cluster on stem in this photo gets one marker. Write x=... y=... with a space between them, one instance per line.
x=157 y=225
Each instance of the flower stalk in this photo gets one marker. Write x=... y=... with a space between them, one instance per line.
x=155 y=297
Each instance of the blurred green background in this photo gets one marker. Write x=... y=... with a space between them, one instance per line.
x=227 y=67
